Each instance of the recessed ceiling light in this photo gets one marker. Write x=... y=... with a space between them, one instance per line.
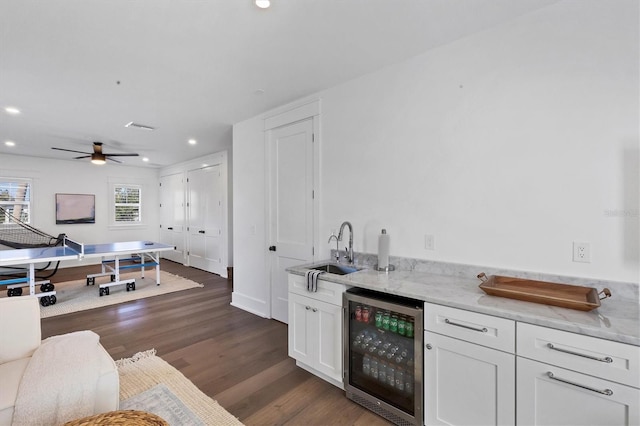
x=145 y=159
x=192 y=141
x=10 y=143
x=263 y=4
x=12 y=110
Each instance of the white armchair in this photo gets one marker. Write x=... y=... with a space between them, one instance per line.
x=20 y=338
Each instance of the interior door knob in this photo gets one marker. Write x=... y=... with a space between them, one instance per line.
x=272 y=248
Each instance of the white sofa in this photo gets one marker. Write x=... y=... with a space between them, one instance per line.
x=20 y=337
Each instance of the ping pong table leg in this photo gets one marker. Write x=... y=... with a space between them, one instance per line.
x=47 y=298
x=157 y=261
x=143 y=259
x=32 y=279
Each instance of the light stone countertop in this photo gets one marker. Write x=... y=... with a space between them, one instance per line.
x=617 y=319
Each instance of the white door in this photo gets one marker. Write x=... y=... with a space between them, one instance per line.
x=291 y=207
x=172 y=225
x=205 y=219
x=467 y=384
x=549 y=395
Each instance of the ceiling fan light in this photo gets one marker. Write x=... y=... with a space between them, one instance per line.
x=263 y=4
x=98 y=159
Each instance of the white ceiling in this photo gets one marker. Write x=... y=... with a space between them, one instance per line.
x=79 y=70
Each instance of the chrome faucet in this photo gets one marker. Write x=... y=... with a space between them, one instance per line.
x=331 y=237
x=349 y=255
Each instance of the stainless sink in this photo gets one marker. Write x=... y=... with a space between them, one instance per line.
x=332 y=268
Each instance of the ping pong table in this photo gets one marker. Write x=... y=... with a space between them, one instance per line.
x=144 y=253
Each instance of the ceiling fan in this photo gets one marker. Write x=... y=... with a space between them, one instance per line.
x=97 y=156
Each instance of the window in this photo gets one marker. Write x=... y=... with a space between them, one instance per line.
x=127 y=204
x=15 y=200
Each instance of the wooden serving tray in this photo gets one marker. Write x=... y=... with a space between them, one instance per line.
x=563 y=295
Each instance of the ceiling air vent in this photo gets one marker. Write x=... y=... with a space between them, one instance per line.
x=139 y=126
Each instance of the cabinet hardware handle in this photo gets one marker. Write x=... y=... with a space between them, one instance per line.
x=314 y=310
x=170 y=228
x=307 y=307
x=607 y=392
x=595 y=358
x=481 y=330
x=429 y=346
x=201 y=232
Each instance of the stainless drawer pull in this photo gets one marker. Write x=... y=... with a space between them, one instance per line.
x=607 y=392
x=481 y=330
x=595 y=358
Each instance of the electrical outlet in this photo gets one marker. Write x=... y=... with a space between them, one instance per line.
x=581 y=252
x=429 y=242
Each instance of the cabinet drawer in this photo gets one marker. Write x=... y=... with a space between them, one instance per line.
x=327 y=291
x=547 y=395
x=486 y=330
x=613 y=361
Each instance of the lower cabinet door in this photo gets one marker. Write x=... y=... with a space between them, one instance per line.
x=300 y=322
x=328 y=333
x=467 y=384
x=549 y=395
x=315 y=335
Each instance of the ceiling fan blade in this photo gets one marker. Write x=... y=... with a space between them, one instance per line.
x=115 y=161
x=71 y=150
x=122 y=155
x=84 y=156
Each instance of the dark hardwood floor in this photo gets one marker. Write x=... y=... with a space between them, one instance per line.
x=235 y=357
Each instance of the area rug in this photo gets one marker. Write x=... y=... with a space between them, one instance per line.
x=73 y=296
x=149 y=383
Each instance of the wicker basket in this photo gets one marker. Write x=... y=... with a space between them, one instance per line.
x=122 y=417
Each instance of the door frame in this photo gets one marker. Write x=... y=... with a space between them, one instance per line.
x=309 y=110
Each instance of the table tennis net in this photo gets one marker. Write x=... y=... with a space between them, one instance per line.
x=16 y=234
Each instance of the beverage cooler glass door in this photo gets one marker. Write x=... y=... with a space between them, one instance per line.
x=383 y=354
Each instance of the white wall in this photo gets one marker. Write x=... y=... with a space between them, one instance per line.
x=81 y=177
x=250 y=285
x=507 y=146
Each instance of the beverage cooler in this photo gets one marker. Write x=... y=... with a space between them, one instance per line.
x=383 y=354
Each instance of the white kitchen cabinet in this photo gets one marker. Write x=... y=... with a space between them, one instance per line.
x=570 y=379
x=467 y=381
x=615 y=361
x=554 y=396
x=315 y=328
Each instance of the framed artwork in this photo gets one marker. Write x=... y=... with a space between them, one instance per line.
x=75 y=208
